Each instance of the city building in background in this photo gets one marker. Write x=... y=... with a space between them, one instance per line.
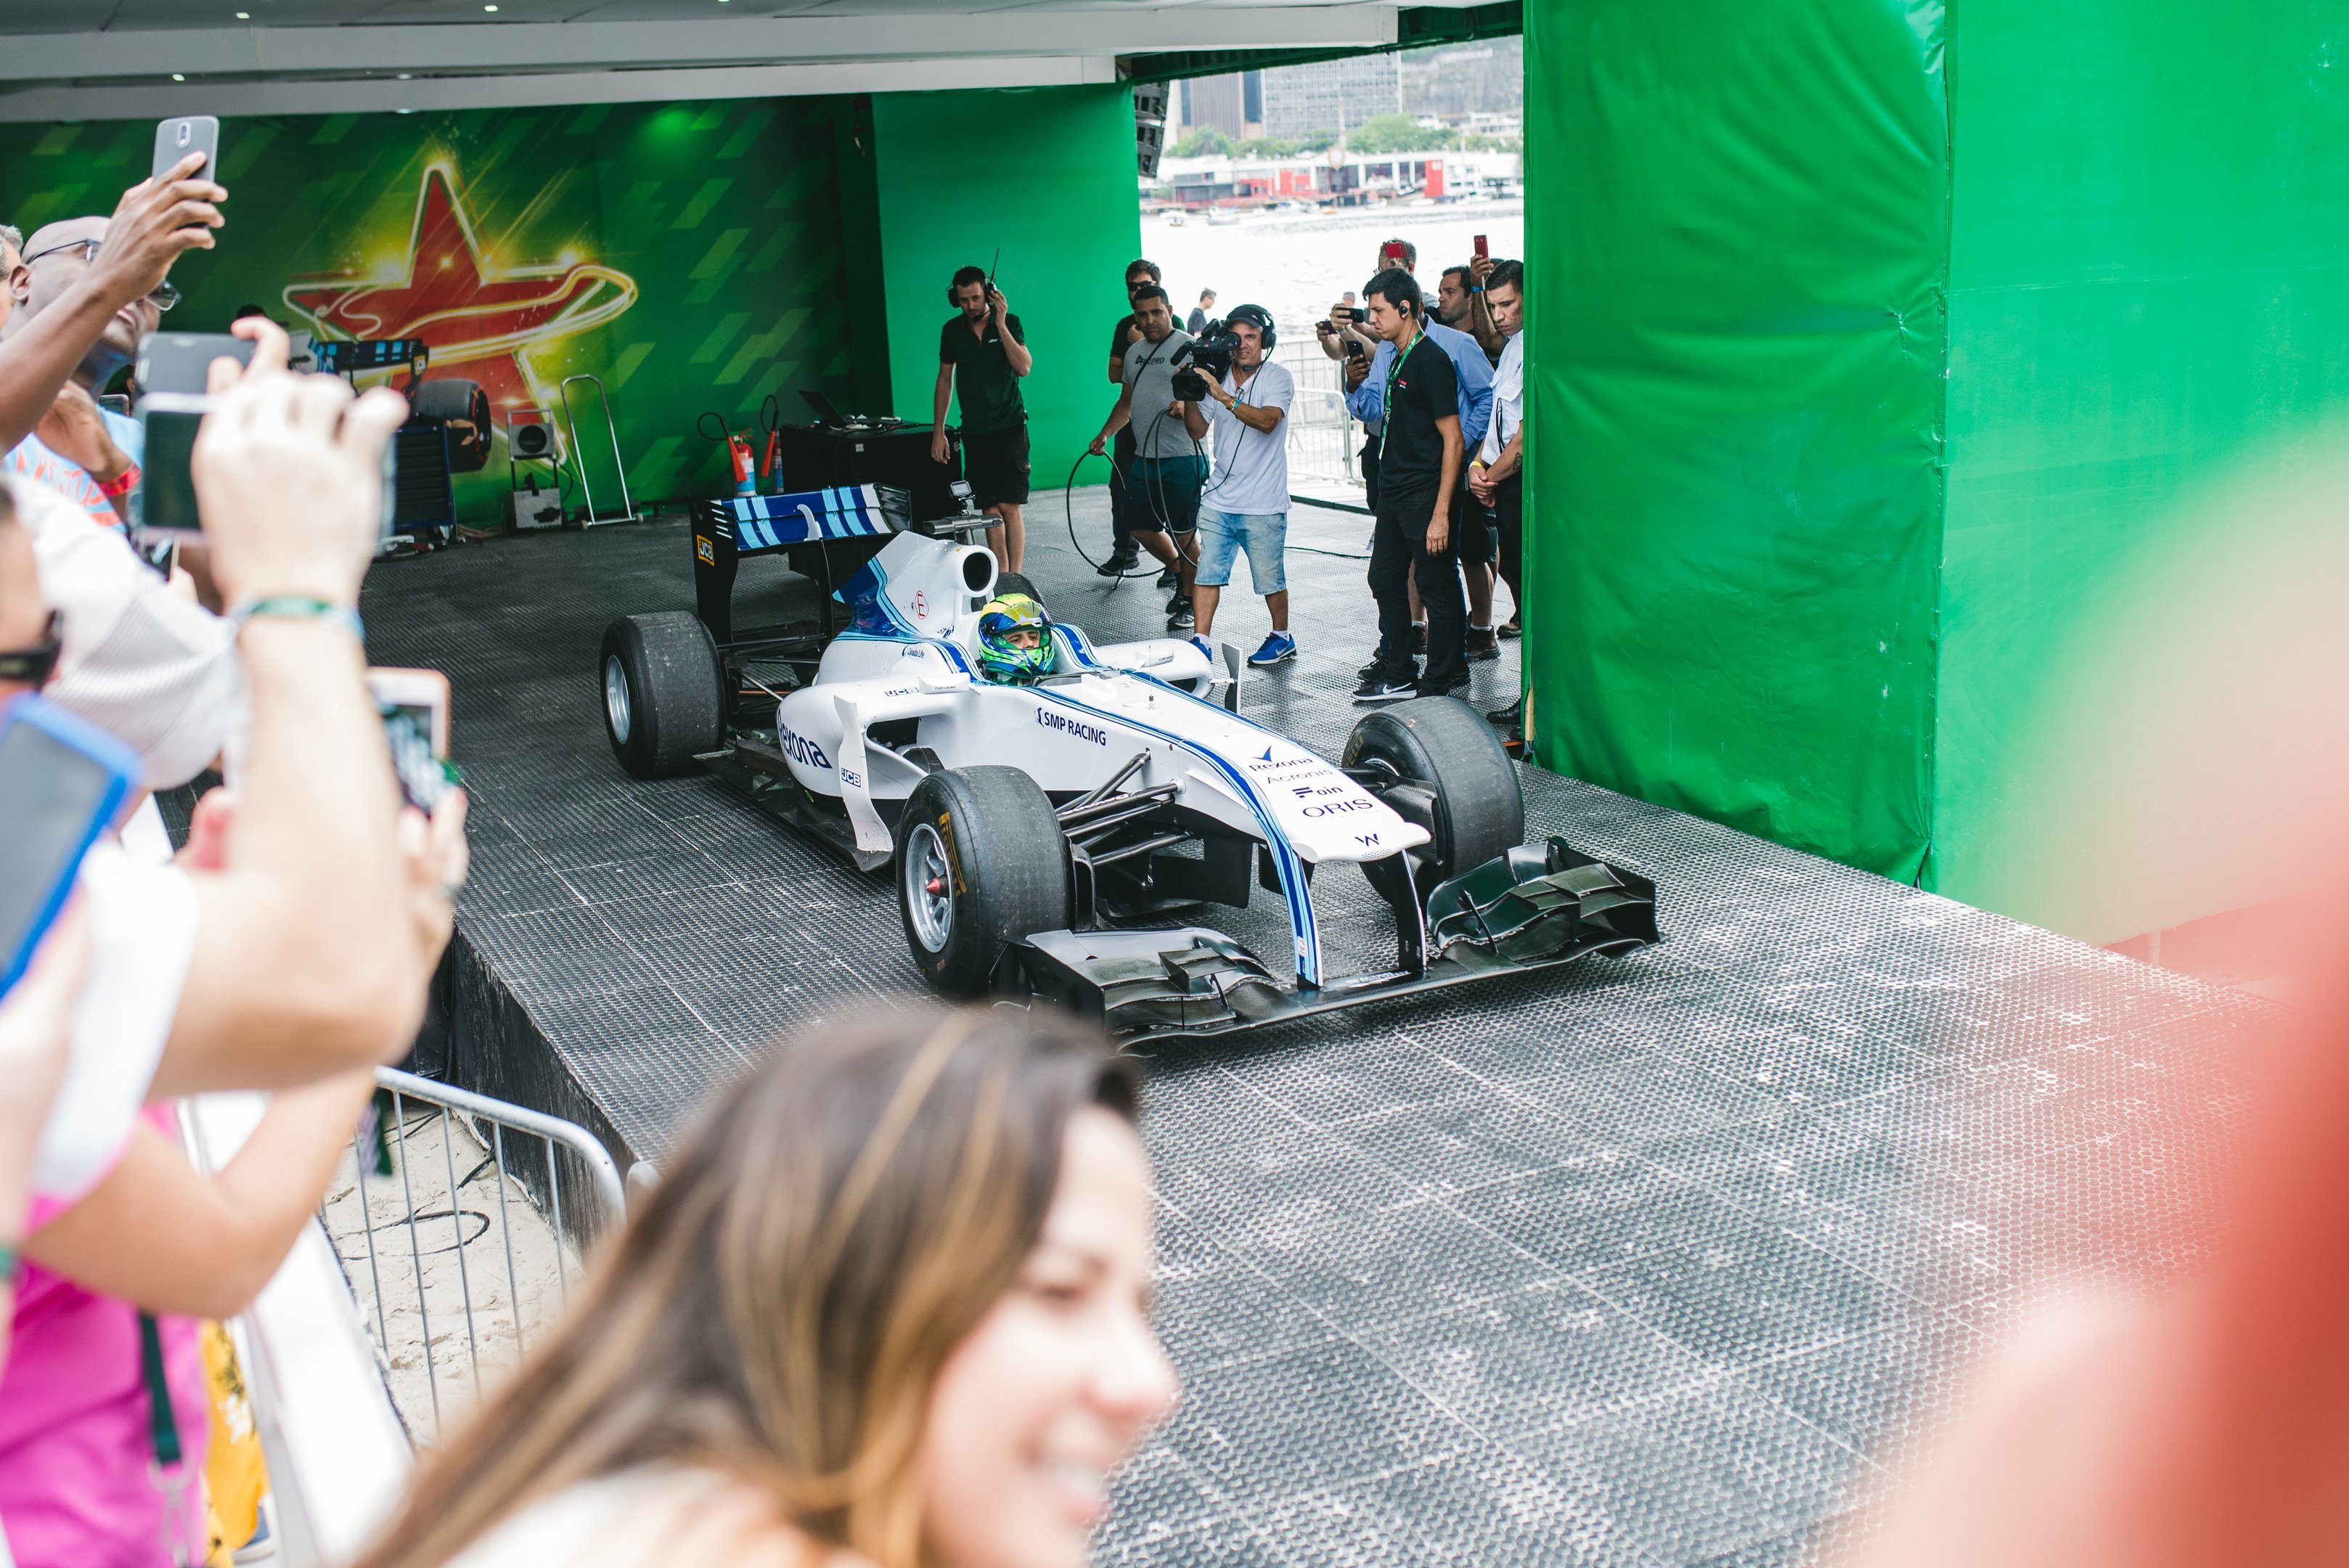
x=1330 y=95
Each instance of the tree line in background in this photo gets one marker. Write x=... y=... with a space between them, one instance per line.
x=1380 y=133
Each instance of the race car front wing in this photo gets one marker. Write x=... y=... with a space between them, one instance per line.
x=1530 y=908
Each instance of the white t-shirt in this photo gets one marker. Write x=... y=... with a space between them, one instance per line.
x=1252 y=465
x=142 y=919
x=1508 y=398
x=153 y=668
x=647 y=1517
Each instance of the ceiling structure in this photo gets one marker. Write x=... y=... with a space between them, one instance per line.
x=109 y=59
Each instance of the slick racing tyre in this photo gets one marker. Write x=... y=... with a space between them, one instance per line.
x=981 y=862
x=664 y=693
x=1451 y=776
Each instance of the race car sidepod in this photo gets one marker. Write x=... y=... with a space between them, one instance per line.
x=1522 y=910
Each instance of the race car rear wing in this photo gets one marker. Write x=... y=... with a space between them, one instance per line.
x=829 y=533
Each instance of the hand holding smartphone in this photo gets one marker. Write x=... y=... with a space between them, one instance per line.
x=63 y=782
x=176 y=139
x=172 y=372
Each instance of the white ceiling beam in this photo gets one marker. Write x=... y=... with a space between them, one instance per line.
x=552 y=88
x=542 y=46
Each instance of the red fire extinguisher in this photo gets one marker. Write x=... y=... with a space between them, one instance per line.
x=738 y=451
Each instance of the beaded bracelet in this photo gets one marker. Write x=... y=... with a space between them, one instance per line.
x=299 y=606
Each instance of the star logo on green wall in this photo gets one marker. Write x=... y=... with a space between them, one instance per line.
x=473 y=310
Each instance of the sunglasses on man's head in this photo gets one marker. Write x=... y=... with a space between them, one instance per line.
x=162 y=297
x=33 y=666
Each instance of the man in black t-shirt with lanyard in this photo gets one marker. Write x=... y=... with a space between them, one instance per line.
x=1419 y=463
x=983 y=349
x=1124 y=554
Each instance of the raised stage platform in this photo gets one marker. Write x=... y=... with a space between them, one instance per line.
x=1655 y=1260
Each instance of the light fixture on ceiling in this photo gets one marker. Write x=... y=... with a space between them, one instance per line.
x=407 y=76
x=244 y=15
x=178 y=77
x=489 y=8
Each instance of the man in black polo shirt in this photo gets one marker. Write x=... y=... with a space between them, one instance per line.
x=1124 y=554
x=983 y=353
x=1419 y=462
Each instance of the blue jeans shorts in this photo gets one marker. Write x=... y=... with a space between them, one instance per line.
x=1222 y=535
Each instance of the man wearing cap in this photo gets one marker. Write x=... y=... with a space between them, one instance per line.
x=81 y=294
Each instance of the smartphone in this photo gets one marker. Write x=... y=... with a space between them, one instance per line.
x=1357 y=314
x=415 y=708
x=1482 y=253
x=1390 y=253
x=421 y=694
x=63 y=782
x=175 y=138
x=172 y=373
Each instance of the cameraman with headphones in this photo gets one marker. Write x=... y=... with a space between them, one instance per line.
x=1245 y=505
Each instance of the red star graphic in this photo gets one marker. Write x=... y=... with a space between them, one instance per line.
x=483 y=320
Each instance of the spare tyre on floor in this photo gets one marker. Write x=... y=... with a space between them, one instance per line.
x=664 y=693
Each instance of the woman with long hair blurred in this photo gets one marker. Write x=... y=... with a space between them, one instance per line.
x=890 y=1304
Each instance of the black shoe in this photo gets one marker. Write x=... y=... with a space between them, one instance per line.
x=1508 y=718
x=1378 y=662
x=1457 y=684
x=1388 y=688
x=1180 y=617
x=1170 y=579
x=1483 y=644
x=1177 y=600
x=1119 y=562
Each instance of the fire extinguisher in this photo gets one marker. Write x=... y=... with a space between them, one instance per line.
x=738 y=451
x=770 y=465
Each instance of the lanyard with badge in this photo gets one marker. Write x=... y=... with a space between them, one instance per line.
x=1386 y=423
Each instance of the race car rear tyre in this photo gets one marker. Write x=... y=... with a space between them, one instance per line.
x=1453 y=779
x=981 y=862
x=664 y=693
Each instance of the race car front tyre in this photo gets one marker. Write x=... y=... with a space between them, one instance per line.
x=1450 y=775
x=981 y=862
x=664 y=693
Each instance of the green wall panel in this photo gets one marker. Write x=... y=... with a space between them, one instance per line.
x=1048 y=175
x=1735 y=228
x=2149 y=285
x=689 y=253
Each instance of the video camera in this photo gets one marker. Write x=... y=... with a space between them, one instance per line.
x=1206 y=357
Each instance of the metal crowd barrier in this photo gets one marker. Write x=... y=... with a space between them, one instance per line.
x=547 y=1186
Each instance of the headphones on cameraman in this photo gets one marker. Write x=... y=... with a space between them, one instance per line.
x=1258 y=317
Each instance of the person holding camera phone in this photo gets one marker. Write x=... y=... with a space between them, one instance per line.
x=1245 y=505
x=1168 y=467
x=1495 y=476
x=83 y=293
x=982 y=354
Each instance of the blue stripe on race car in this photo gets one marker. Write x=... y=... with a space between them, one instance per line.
x=1285 y=860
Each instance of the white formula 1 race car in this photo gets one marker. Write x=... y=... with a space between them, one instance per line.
x=1046 y=838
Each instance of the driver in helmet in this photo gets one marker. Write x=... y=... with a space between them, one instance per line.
x=1015 y=641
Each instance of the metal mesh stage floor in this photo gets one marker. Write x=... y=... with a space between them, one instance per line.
x=1649 y=1261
